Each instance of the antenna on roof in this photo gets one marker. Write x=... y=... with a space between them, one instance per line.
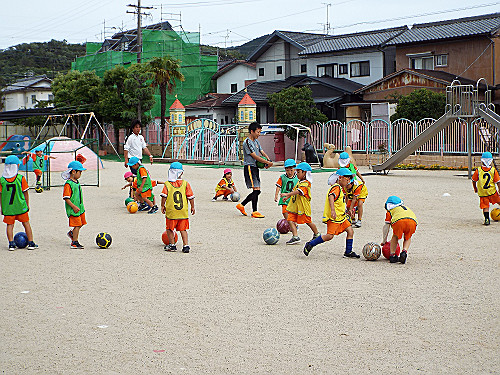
x=327 y=24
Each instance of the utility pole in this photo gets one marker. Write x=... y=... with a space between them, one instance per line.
x=327 y=24
x=138 y=11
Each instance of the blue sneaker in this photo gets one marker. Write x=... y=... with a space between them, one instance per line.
x=12 y=246
x=32 y=245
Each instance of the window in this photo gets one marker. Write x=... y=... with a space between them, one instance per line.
x=242 y=116
x=180 y=117
x=234 y=87
x=441 y=60
x=423 y=62
x=360 y=69
x=343 y=69
x=261 y=72
x=303 y=68
x=279 y=70
x=33 y=99
x=250 y=115
x=51 y=97
x=330 y=70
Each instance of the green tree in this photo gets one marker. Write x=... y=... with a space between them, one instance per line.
x=77 y=91
x=166 y=72
x=420 y=104
x=295 y=105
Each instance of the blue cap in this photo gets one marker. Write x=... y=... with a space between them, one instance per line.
x=133 y=161
x=290 y=163
x=76 y=166
x=344 y=172
x=486 y=155
x=39 y=148
x=304 y=167
x=393 y=200
x=176 y=165
x=12 y=159
x=344 y=155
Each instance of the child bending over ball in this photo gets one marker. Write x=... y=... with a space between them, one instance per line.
x=225 y=186
x=334 y=215
x=15 y=201
x=73 y=199
x=403 y=222
x=345 y=162
x=299 y=203
x=483 y=181
x=285 y=184
x=174 y=204
x=129 y=177
x=144 y=192
x=38 y=162
x=356 y=196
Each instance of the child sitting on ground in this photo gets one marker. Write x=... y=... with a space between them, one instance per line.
x=225 y=186
x=38 y=161
x=356 y=195
x=403 y=222
x=144 y=192
x=345 y=162
x=73 y=199
x=334 y=215
x=487 y=176
x=285 y=184
x=174 y=204
x=299 y=204
x=15 y=202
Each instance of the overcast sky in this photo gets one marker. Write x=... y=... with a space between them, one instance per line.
x=222 y=22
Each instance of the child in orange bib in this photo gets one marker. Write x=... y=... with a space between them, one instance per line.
x=174 y=205
x=483 y=181
x=225 y=187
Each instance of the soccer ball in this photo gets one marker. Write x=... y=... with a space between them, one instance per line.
x=21 y=240
x=371 y=251
x=132 y=207
x=495 y=214
x=386 y=250
x=271 y=236
x=235 y=197
x=103 y=240
x=164 y=237
x=282 y=226
x=128 y=200
x=39 y=189
x=260 y=164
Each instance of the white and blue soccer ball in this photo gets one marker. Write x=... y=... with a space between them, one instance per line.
x=271 y=236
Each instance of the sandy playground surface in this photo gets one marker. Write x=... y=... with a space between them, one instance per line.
x=237 y=306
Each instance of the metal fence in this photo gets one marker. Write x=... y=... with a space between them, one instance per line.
x=378 y=135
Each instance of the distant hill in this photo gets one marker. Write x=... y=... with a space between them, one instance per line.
x=239 y=52
x=47 y=58
x=247 y=48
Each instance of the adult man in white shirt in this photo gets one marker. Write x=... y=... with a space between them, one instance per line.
x=135 y=145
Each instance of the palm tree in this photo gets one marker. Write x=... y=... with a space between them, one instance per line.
x=166 y=71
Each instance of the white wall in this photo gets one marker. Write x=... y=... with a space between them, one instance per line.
x=218 y=114
x=376 y=65
x=269 y=60
x=237 y=75
x=22 y=99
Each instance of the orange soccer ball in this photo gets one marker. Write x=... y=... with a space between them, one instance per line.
x=164 y=237
x=132 y=207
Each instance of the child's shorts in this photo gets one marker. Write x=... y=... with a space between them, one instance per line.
x=404 y=227
x=38 y=172
x=337 y=228
x=299 y=219
x=181 y=224
x=11 y=219
x=484 y=202
x=147 y=193
x=77 y=221
x=223 y=192
x=283 y=209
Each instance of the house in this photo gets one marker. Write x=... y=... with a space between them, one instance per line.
x=210 y=107
x=234 y=76
x=361 y=57
x=328 y=93
x=26 y=93
x=465 y=47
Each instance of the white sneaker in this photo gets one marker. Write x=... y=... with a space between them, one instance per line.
x=357 y=224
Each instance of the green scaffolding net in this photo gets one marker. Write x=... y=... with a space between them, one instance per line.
x=196 y=68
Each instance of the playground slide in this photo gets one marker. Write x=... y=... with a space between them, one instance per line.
x=491 y=117
x=412 y=146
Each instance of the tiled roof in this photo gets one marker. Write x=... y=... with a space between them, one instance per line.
x=376 y=38
x=24 y=83
x=176 y=105
x=209 y=101
x=304 y=39
x=258 y=90
x=226 y=68
x=247 y=100
x=457 y=28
